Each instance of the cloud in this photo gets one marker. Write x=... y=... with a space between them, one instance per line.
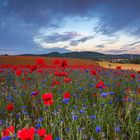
x=100 y=46
x=81 y=40
x=134 y=43
x=54 y=39
x=56 y=49
x=116 y=15
x=60 y=37
x=48 y=11
x=16 y=36
x=22 y=20
x=115 y=51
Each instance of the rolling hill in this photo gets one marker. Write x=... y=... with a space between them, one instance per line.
x=86 y=55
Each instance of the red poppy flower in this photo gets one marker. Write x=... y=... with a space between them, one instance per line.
x=56 y=62
x=138 y=90
x=40 y=61
x=33 y=68
x=132 y=75
x=66 y=95
x=7 y=131
x=26 y=134
x=118 y=67
x=47 y=98
x=48 y=137
x=1 y=71
x=18 y=72
x=138 y=71
x=64 y=63
x=125 y=98
x=95 y=95
x=93 y=72
x=67 y=80
x=118 y=84
x=41 y=132
x=55 y=83
x=10 y=107
x=100 y=85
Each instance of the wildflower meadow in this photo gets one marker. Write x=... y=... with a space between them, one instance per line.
x=60 y=101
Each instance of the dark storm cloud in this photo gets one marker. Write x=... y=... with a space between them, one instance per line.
x=17 y=36
x=116 y=15
x=48 y=12
x=20 y=20
x=81 y=40
x=57 y=37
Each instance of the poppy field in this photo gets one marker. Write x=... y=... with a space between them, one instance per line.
x=63 y=101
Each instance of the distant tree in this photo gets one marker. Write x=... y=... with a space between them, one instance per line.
x=135 y=61
x=5 y=54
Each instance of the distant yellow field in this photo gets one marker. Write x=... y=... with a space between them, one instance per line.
x=105 y=64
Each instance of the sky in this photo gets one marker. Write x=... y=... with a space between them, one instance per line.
x=44 y=26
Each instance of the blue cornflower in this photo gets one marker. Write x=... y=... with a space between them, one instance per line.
x=117 y=129
x=6 y=138
x=59 y=106
x=17 y=116
x=40 y=119
x=102 y=104
x=111 y=93
x=75 y=107
x=9 y=98
x=104 y=94
x=66 y=100
x=38 y=125
x=57 y=138
x=98 y=129
x=138 y=103
x=81 y=111
x=92 y=117
x=138 y=118
x=33 y=93
x=43 y=81
x=23 y=107
x=84 y=100
x=24 y=112
x=81 y=88
x=74 y=117
x=61 y=120
x=117 y=99
x=110 y=102
x=108 y=85
x=91 y=85
x=2 y=121
x=67 y=129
